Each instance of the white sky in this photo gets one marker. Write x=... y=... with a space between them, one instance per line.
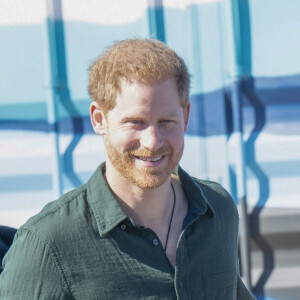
x=112 y=12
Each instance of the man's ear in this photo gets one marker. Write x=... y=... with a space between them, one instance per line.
x=97 y=118
x=187 y=115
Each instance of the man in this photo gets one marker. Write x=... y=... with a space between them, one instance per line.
x=141 y=227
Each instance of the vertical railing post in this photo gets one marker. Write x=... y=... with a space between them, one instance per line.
x=244 y=235
x=237 y=73
x=195 y=53
x=156 y=20
x=52 y=85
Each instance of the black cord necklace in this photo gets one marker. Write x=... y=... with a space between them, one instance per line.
x=170 y=223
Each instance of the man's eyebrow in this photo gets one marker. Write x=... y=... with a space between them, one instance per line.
x=137 y=115
x=140 y=117
x=132 y=116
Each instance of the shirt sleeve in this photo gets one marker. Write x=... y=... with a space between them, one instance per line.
x=242 y=292
x=31 y=270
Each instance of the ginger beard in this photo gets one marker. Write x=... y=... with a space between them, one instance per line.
x=144 y=177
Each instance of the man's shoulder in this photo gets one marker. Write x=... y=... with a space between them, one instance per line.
x=59 y=215
x=209 y=186
x=217 y=197
x=204 y=186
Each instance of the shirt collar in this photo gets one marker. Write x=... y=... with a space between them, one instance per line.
x=108 y=213
x=197 y=199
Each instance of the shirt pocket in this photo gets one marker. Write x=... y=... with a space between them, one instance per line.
x=221 y=286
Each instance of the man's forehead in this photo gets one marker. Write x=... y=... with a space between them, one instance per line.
x=127 y=82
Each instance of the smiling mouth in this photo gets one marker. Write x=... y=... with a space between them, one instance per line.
x=150 y=159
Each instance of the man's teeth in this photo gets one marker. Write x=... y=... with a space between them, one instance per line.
x=150 y=159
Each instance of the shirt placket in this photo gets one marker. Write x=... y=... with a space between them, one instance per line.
x=181 y=268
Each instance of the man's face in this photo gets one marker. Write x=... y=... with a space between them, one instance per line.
x=145 y=132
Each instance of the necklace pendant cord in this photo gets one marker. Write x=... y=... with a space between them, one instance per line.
x=171 y=219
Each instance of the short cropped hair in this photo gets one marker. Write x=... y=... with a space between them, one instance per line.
x=143 y=60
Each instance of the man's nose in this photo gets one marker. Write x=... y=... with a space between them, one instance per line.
x=151 y=138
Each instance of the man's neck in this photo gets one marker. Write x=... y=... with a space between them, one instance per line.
x=147 y=207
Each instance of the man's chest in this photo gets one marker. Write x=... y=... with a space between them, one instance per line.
x=132 y=265
x=110 y=271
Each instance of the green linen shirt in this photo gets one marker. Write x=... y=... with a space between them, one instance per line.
x=83 y=246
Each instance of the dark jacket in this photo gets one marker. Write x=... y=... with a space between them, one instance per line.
x=6 y=237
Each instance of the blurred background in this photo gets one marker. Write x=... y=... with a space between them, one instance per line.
x=244 y=130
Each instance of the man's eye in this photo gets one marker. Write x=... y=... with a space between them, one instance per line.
x=167 y=121
x=136 y=122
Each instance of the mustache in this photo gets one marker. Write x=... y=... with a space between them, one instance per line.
x=148 y=153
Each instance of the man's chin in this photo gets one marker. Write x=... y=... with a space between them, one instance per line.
x=148 y=185
x=148 y=181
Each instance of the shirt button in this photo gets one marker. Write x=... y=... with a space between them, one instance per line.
x=155 y=242
x=123 y=226
x=181 y=284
